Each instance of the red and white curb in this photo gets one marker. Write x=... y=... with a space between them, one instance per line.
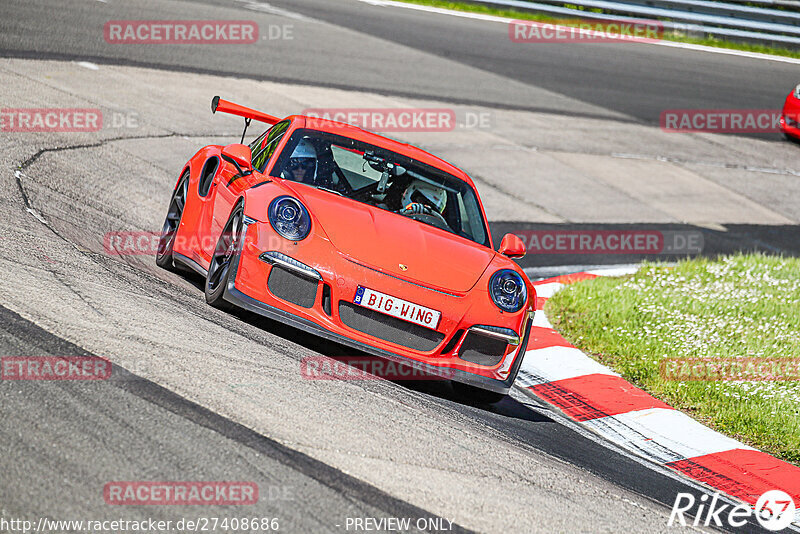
x=595 y=397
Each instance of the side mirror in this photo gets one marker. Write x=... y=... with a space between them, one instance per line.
x=512 y=246
x=240 y=157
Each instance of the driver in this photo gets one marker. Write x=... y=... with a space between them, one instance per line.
x=302 y=165
x=423 y=198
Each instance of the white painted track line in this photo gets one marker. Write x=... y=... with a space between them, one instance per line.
x=547 y=290
x=561 y=363
x=673 y=430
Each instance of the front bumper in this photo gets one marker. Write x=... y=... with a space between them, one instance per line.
x=499 y=378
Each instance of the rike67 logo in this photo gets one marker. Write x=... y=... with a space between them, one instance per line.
x=774 y=510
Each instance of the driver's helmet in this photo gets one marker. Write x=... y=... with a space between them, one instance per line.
x=302 y=164
x=425 y=193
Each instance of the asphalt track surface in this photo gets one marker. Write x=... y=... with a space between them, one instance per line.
x=201 y=395
x=611 y=80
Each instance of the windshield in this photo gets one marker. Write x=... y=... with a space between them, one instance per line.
x=384 y=179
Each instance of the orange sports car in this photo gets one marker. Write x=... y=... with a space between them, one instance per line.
x=351 y=236
x=790 y=115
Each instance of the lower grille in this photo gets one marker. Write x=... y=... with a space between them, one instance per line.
x=482 y=350
x=388 y=328
x=291 y=287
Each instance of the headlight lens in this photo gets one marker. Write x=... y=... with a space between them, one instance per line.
x=508 y=290
x=289 y=218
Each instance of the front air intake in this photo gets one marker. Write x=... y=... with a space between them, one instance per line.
x=482 y=350
x=389 y=328
x=292 y=287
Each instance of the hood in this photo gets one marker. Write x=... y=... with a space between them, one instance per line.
x=385 y=240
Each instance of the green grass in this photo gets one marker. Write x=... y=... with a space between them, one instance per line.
x=743 y=306
x=676 y=37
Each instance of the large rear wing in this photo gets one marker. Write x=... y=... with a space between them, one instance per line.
x=217 y=104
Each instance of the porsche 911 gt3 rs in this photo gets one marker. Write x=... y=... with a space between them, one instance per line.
x=357 y=238
x=790 y=115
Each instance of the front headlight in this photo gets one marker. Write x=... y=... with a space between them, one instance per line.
x=508 y=290
x=289 y=218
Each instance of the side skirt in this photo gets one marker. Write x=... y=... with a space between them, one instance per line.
x=189 y=263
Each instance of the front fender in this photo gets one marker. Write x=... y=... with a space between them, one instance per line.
x=259 y=195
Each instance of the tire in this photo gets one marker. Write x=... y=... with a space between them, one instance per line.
x=477 y=395
x=224 y=254
x=171 y=223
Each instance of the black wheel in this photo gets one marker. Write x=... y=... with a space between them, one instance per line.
x=477 y=395
x=224 y=253
x=167 y=240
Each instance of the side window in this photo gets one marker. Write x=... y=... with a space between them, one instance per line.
x=263 y=155
x=256 y=145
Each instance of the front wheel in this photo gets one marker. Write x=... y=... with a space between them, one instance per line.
x=173 y=220
x=476 y=394
x=224 y=253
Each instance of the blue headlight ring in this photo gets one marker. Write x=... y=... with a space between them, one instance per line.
x=301 y=217
x=498 y=281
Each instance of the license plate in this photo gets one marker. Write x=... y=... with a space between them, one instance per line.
x=397 y=307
